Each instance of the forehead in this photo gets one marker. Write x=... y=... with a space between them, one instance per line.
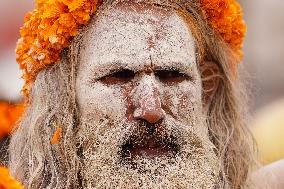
x=135 y=36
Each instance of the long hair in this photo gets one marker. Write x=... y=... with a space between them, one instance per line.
x=38 y=164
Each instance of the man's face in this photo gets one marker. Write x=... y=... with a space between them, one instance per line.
x=139 y=94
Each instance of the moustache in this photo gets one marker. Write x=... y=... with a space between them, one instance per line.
x=167 y=137
x=128 y=139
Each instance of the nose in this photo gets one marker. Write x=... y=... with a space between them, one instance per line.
x=148 y=102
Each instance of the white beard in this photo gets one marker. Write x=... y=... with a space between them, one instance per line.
x=193 y=166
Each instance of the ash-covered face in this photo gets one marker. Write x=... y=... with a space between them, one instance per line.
x=139 y=93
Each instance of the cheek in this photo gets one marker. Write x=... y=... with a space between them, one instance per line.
x=182 y=100
x=100 y=101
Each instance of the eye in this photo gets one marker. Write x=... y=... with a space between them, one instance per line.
x=171 y=76
x=119 y=77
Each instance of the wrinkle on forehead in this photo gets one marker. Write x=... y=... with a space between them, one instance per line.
x=126 y=38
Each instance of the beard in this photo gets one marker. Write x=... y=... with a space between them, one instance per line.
x=137 y=154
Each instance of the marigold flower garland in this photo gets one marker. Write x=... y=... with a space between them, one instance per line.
x=9 y=115
x=226 y=18
x=48 y=29
x=7 y=181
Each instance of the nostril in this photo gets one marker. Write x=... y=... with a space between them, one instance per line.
x=151 y=116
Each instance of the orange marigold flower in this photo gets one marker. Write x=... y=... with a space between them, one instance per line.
x=9 y=115
x=46 y=31
x=74 y=4
x=226 y=18
x=7 y=181
x=56 y=136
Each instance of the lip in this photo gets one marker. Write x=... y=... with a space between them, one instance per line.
x=148 y=148
x=151 y=152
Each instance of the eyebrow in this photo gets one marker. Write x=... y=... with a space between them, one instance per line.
x=110 y=67
x=105 y=68
x=178 y=66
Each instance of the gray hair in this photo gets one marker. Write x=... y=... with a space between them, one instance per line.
x=38 y=164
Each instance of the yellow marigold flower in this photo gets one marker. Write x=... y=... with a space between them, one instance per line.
x=7 y=181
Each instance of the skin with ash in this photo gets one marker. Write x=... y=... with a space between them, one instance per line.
x=140 y=98
x=145 y=98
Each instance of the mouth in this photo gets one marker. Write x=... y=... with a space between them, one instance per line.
x=148 y=147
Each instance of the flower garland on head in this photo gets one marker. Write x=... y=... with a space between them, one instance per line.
x=49 y=28
x=226 y=18
x=9 y=115
x=7 y=181
x=47 y=31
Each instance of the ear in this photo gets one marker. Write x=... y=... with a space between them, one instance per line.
x=210 y=75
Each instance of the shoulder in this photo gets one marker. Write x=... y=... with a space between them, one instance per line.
x=270 y=176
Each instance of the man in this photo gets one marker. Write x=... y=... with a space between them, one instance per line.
x=146 y=96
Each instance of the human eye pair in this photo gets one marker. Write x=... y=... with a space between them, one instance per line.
x=168 y=76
